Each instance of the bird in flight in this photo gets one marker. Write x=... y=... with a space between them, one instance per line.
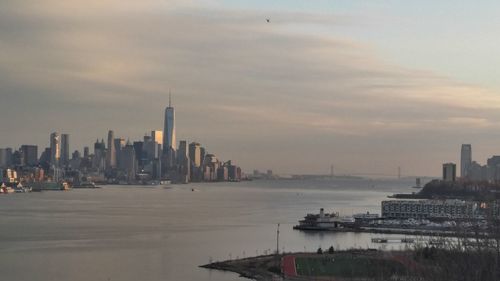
x=268 y=20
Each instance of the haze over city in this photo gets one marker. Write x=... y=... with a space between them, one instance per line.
x=365 y=85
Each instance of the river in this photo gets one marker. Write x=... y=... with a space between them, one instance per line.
x=164 y=232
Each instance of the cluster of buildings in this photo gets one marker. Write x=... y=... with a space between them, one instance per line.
x=472 y=171
x=156 y=158
x=426 y=209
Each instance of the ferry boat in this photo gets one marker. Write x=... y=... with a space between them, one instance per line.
x=323 y=221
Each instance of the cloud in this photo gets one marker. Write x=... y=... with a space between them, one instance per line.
x=237 y=80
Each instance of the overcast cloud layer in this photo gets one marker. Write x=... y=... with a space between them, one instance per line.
x=266 y=95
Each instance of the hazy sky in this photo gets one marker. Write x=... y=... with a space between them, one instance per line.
x=365 y=85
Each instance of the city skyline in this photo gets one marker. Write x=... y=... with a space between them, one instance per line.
x=308 y=89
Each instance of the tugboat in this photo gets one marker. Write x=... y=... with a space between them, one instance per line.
x=323 y=221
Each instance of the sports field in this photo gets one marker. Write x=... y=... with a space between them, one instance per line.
x=347 y=265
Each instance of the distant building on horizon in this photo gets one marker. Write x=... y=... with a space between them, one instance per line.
x=169 y=137
x=30 y=155
x=465 y=160
x=111 y=154
x=449 y=172
x=64 y=149
x=55 y=149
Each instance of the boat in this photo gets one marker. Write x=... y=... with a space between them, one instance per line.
x=323 y=221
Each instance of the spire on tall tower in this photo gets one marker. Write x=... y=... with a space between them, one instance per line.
x=169 y=98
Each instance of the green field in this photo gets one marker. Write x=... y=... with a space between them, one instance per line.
x=345 y=265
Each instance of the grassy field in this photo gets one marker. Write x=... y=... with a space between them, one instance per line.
x=346 y=265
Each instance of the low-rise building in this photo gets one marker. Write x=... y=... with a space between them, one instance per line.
x=422 y=209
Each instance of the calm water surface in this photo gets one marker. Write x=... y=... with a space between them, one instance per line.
x=164 y=233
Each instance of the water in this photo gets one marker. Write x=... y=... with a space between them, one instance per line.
x=164 y=233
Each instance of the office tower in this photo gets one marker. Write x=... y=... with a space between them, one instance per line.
x=195 y=157
x=202 y=154
x=76 y=155
x=55 y=149
x=151 y=149
x=64 y=149
x=17 y=158
x=30 y=155
x=45 y=159
x=449 y=172
x=119 y=145
x=169 y=140
x=157 y=136
x=139 y=153
x=5 y=157
x=86 y=152
x=195 y=154
x=465 y=160
x=129 y=162
x=99 y=161
x=183 y=162
x=111 y=155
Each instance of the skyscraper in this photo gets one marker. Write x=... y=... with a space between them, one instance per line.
x=183 y=162
x=157 y=136
x=465 y=160
x=111 y=155
x=55 y=149
x=169 y=140
x=5 y=157
x=64 y=149
x=30 y=155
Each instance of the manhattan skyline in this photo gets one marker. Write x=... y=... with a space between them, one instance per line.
x=308 y=89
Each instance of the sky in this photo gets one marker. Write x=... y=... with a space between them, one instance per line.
x=364 y=85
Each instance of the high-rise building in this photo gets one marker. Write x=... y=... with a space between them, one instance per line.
x=183 y=162
x=5 y=157
x=86 y=152
x=55 y=149
x=169 y=139
x=195 y=154
x=157 y=136
x=30 y=155
x=111 y=155
x=119 y=145
x=195 y=157
x=99 y=160
x=64 y=149
x=129 y=162
x=449 y=172
x=465 y=160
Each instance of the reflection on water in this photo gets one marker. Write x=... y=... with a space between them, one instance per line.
x=164 y=233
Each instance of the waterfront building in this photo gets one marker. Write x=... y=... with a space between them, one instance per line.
x=64 y=149
x=465 y=160
x=424 y=209
x=29 y=155
x=55 y=149
x=449 y=172
x=169 y=137
x=111 y=153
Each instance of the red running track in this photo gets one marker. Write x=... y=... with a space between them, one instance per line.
x=288 y=266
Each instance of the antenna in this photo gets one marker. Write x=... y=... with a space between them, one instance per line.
x=169 y=98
